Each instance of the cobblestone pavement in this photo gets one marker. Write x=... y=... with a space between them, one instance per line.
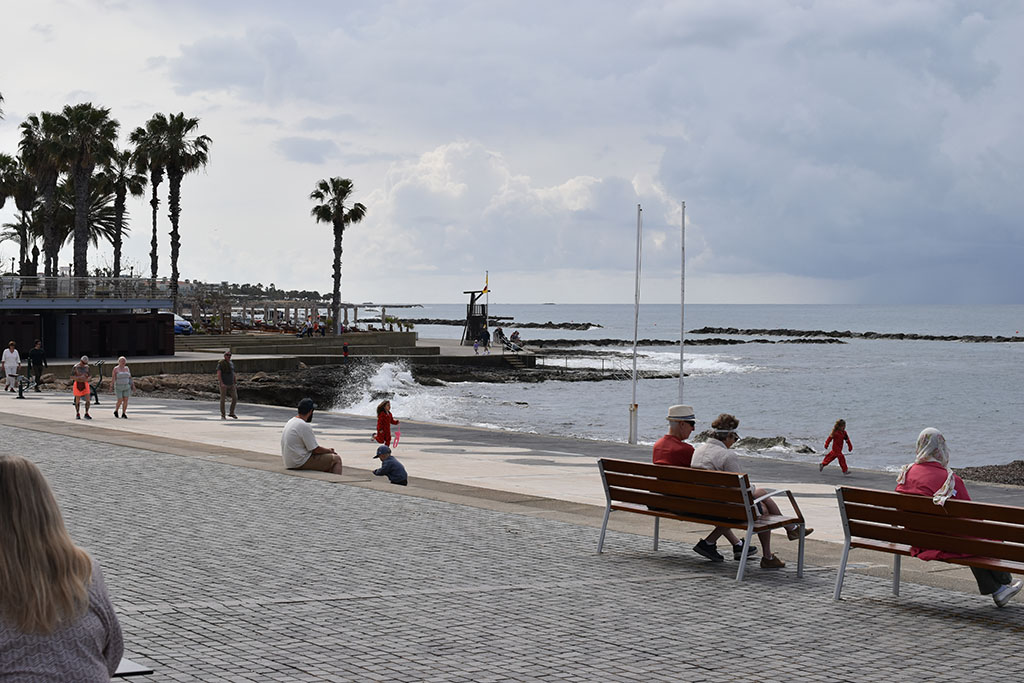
x=222 y=573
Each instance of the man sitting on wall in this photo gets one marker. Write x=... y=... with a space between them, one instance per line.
x=299 y=448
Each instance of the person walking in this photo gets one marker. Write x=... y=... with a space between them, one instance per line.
x=836 y=438
x=37 y=361
x=81 y=373
x=57 y=622
x=121 y=378
x=226 y=381
x=12 y=365
x=384 y=421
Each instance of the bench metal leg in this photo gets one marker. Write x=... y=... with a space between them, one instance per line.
x=800 y=556
x=657 y=525
x=604 y=526
x=743 y=557
x=842 y=570
x=896 y=575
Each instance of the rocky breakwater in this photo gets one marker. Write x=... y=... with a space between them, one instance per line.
x=847 y=334
x=533 y=344
x=505 y=322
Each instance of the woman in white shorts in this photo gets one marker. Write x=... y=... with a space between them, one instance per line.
x=121 y=378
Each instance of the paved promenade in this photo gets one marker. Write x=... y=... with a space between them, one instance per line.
x=224 y=567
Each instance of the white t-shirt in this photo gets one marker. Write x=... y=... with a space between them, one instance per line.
x=11 y=361
x=297 y=442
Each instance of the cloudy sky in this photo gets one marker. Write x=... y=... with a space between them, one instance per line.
x=864 y=152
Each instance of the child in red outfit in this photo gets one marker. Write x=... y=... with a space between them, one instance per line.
x=836 y=438
x=384 y=422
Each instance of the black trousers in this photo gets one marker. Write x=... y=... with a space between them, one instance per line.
x=990 y=581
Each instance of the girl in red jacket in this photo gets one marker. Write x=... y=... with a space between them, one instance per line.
x=836 y=438
x=384 y=422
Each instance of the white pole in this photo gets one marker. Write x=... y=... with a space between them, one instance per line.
x=633 y=407
x=682 y=302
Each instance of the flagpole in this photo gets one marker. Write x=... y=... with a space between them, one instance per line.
x=633 y=407
x=682 y=302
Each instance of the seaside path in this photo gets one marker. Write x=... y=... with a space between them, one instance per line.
x=225 y=567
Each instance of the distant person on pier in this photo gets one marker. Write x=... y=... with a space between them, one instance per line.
x=81 y=373
x=228 y=385
x=517 y=343
x=485 y=340
x=12 y=366
x=122 y=382
x=299 y=448
x=716 y=454
x=929 y=475
x=672 y=449
x=836 y=438
x=384 y=421
x=390 y=467
x=37 y=361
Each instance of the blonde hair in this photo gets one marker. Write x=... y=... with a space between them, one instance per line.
x=44 y=576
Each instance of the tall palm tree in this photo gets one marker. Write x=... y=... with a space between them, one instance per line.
x=184 y=153
x=100 y=214
x=123 y=178
x=41 y=154
x=149 y=144
x=17 y=182
x=87 y=137
x=332 y=194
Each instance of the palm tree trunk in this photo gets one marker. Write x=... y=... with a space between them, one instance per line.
x=23 y=247
x=49 y=225
x=155 y=179
x=120 y=195
x=339 y=230
x=174 y=176
x=82 y=174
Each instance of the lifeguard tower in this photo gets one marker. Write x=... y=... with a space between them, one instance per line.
x=476 y=317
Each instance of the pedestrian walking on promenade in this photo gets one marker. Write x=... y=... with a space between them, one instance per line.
x=37 y=361
x=228 y=385
x=57 y=622
x=121 y=378
x=384 y=421
x=836 y=438
x=12 y=365
x=81 y=373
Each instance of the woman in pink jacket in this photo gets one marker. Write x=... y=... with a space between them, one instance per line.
x=929 y=475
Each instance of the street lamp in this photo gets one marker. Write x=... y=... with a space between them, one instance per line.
x=12 y=265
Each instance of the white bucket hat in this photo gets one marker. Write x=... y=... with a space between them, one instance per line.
x=681 y=413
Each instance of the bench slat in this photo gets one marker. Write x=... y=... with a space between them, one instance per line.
x=940 y=541
x=766 y=523
x=924 y=504
x=677 y=488
x=672 y=473
x=982 y=562
x=682 y=506
x=952 y=526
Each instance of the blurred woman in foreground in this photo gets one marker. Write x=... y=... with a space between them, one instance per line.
x=56 y=619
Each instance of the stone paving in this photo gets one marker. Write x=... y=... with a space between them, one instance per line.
x=224 y=573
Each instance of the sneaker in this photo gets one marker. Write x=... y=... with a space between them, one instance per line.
x=115 y=414
x=124 y=416
x=737 y=551
x=77 y=416
x=773 y=562
x=233 y=416
x=707 y=550
x=88 y=416
x=846 y=471
x=821 y=466
x=1006 y=593
x=794 y=533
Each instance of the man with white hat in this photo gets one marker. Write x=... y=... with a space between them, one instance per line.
x=672 y=449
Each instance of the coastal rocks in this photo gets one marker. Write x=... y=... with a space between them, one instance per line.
x=427 y=375
x=1011 y=473
x=505 y=322
x=713 y=341
x=754 y=443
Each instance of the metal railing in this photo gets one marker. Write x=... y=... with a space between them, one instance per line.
x=38 y=287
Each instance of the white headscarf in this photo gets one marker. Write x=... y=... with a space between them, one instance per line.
x=931 y=447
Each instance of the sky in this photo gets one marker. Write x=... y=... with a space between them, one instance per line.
x=827 y=152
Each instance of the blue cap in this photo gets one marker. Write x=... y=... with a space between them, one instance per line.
x=382 y=450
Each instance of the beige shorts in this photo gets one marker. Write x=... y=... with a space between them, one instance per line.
x=321 y=462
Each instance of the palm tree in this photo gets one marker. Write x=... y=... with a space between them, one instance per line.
x=17 y=182
x=184 y=153
x=7 y=168
x=87 y=137
x=332 y=195
x=123 y=178
x=149 y=144
x=100 y=214
x=41 y=154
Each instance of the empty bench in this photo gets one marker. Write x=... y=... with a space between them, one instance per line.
x=692 y=495
x=890 y=522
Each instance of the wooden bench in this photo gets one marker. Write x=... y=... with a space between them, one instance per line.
x=890 y=522
x=692 y=495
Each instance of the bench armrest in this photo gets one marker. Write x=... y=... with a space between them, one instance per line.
x=771 y=493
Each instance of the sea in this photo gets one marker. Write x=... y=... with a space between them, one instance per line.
x=887 y=390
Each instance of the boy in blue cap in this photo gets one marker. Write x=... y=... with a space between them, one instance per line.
x=390 y=467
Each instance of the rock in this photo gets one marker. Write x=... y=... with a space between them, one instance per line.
x=302 y=366
x=48 y=378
